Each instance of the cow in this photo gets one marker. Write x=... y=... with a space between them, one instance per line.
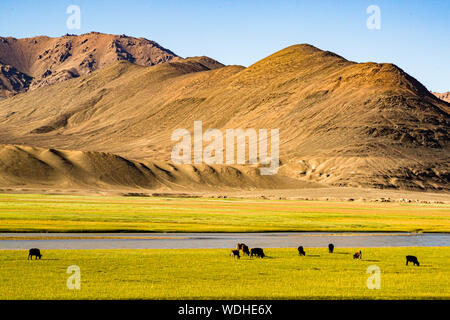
x=301 y=251
x=330 y=248
x=257 y=252
x=34 y=252
x=235 y=254
x=245 y=250
x=357 y=255
x=239 y=246
x=412 y=259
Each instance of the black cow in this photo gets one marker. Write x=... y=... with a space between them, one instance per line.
x=245 y=250
x=412 y=259
x=257 y=252
x=330 y=248
x=34 y=252
x=235 y=254
x=301 y=251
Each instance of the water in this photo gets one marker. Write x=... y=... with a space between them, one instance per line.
x=218 y=240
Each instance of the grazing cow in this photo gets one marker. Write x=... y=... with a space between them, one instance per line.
x=330 y=248
x=357 y=255
x=412 y=259
x=239 y=246
x=34 y=252
x=235 y=254
x=245 y=250
x=301 y=251
x=257 y=252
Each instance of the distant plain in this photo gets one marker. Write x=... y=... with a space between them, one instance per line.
x=64 y=213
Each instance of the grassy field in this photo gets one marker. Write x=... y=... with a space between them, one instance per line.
x=59 y=213
x=213 y=274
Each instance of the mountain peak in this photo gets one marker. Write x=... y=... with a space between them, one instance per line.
x=46 y=60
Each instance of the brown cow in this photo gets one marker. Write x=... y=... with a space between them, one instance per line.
x=357 y=255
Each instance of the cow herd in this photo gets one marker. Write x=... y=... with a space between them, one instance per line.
x=258 y=252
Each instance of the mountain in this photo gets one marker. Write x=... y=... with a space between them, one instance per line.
x=35 y=62
x=341 y=123
x=443 y=96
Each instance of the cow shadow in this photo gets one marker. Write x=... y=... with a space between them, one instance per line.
x=370 y=260
x=25 y=259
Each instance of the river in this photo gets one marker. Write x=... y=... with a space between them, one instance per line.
x=217 y=240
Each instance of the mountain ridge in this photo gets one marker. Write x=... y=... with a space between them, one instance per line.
x=341 y=123
x=46 y=60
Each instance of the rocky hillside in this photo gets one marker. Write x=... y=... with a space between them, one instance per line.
x=35 y=62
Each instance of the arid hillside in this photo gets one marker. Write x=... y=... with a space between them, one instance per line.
x=35 y=62
x=341 y=123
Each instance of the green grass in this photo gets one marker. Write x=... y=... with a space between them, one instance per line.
x=59 y=213
x=213 y=274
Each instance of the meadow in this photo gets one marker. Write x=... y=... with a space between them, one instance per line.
x=67 y=213
x=213 y=274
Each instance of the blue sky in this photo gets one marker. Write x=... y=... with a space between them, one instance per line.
x=415 y=35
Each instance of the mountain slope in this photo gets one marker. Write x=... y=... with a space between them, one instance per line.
x=341 y=123
x=12 y=81
x=51 y=60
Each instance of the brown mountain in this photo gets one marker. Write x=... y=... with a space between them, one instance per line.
x=39 y=61
x=341 y=123
x=443 y=96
